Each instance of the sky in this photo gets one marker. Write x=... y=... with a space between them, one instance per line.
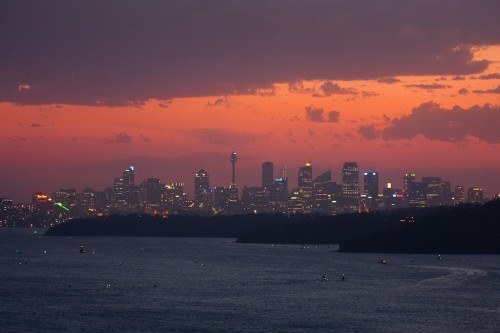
x=88 y=88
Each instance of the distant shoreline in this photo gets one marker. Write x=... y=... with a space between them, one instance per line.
x=463 y=229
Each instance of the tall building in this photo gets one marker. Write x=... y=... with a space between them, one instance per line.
x=371 y=184
x=201 y=186
x=279 y=194
x=233 y=158
x=459 y=195
x=173 y=198
x=350 y=187
x=86 y=203
x=475 y=195
x=267 y=175
x=437 y=191
x=66 y=197
x=325 y=194
x=305 y=182
x=409 y=181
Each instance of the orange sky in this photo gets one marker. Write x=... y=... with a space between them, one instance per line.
x=268 y=125
x=86 y=91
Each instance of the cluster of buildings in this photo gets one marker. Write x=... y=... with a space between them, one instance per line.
x=314 y=195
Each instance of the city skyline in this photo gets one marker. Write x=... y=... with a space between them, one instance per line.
x=354 y=181
x=170 y=87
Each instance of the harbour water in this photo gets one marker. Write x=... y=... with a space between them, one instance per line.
x=216 y=285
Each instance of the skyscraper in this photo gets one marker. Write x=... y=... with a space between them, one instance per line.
x=267 y=175
x=409 y=185
x=371 y=184
x=233 y=158
x=475 y=195
x=305 y=182
x=350 y=186
x=201 y=185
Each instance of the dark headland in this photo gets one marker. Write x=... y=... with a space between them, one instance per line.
x=459 y=229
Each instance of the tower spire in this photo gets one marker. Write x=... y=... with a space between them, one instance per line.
x=233 y=158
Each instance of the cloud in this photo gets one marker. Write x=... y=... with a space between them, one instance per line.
x=433 y=122
x=492 y=76
x=314 y=115
x=221 y=101
x=488 y=91
x=329 y=88
x=299 y=88
x=36 y=125
x=428 y=86
x=317 y=115
x=143 y=138
x=95 y=54
x=389 y=80
x=164 y=105
x=123 y=138
x=368 y=132
x=463 y=91
x=22 y=87
x=333 y=116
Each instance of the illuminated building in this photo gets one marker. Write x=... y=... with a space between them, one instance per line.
x=475 y=195
x=295 y=203
x=201 y=186
x=459 y=195
x=409 y=186
x=65 y=196
x=370 y=199
x=233 y=158
x=86 y=203
x=150 y=192
x=325 y=195
x=222 y=199
x=233 y=189
x=42 y=208
x=371 y=184
x=437 y=191
x=173 y=198
x=279 y=194
x=305 y=183
x=350 y=187
x=393 y=198
x=267 y=175
x=255 y=200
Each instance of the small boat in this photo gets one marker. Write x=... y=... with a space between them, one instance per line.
x=82 y=250
x=383 y=261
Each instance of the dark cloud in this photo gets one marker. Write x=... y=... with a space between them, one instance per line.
x=317 y=115
x=333 y=116
x=492 y=76
x=369 y=132
x=143 y=138
x=36 y=125
x=329 y=88
x=428 y=86
x=488 y=91
x=463 y=91
x=123 y=138
x=454 y=125
x=389 y=80
x=314 y=115
x=298 y=87
x=218 y=101
x=458 y=78
x=119 y=53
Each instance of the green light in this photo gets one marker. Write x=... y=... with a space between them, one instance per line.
x=61 y=205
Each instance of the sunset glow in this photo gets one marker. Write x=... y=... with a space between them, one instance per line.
x=150 y=97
